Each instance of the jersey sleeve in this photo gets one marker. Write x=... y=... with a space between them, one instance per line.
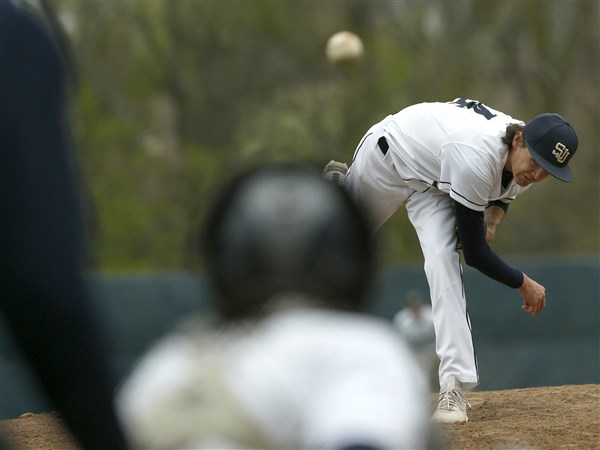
x=467 y=175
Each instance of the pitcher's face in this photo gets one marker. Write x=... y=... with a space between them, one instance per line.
x=524 y=169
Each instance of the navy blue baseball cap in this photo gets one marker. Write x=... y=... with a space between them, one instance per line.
x=552 y=142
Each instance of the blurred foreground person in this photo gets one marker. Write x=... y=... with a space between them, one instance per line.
x=42 y=295
x=287 y=360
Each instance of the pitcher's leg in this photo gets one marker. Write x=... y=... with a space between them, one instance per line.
x=454 y=343
x=432 y=216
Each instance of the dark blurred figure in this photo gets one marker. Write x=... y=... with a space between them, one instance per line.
x=42 y=292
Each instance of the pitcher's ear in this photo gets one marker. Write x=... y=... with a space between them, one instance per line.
x=518 y=140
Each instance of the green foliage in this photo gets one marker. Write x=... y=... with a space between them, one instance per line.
x=176 y=96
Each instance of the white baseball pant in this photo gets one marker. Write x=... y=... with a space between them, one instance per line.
x=373 y=181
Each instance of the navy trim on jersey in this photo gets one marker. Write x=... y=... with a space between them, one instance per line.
x=436 y=183
x=462 y=196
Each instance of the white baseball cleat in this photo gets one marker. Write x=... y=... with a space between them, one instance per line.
x=336 y=172
x=452 y=404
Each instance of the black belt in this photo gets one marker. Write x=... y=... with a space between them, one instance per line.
x=383 y=145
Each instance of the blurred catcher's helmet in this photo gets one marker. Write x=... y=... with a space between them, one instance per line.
x=280 y=229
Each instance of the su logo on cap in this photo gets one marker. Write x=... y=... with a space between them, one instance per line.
x=560 y=152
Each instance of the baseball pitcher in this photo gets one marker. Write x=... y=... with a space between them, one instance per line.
x=456 y=167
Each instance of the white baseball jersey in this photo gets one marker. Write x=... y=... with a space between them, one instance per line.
x=455 y=147
x=421 y=158
x=302 y=378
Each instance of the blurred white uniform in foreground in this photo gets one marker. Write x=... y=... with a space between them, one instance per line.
x=302 y=378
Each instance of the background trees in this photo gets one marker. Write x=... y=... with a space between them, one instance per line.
x=175 y=96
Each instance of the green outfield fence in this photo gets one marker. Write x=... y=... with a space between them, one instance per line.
x=514 y=350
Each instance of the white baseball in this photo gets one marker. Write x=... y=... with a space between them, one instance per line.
x=344 y=46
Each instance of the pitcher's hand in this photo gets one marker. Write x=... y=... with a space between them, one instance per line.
x=534 y=296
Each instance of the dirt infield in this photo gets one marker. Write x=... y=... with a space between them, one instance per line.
x=564 y=417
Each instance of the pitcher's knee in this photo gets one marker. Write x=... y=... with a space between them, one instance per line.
x=443 y=270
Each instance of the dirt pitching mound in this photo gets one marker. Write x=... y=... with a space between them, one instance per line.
x=546 y=418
